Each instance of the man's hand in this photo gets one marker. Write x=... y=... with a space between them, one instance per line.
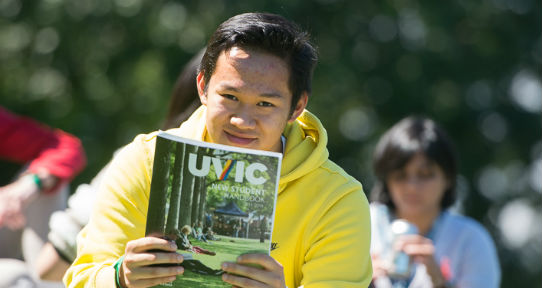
x=239 y=274
x=135 y=270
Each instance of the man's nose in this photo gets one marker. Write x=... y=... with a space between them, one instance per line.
x=243 y=118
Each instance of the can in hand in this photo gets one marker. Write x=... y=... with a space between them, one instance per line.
x=401 y=264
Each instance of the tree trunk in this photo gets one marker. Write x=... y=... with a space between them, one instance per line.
x=202 y=198
x=176 y=193
x=197 y=188
x=186 y=194
x=159 y=187
x=195 y=200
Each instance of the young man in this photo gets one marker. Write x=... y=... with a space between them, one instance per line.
x=254 y=83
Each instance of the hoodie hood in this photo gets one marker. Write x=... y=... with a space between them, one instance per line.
x=306 y=141
x=306 y=148
x=194 y=127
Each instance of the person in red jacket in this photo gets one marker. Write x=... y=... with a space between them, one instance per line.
x=52 y=159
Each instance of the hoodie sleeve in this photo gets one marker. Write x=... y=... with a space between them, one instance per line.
x=118 y=216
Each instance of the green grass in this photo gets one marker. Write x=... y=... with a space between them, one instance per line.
x=225 y=250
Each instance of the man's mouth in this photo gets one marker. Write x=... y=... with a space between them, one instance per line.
x=239 y=139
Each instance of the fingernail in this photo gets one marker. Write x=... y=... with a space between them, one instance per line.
x=180 y=270
x=225 y=266
x=179 y=257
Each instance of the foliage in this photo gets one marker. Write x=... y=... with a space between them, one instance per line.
x=220 y=192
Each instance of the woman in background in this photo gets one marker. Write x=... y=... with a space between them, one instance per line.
x=415 y=167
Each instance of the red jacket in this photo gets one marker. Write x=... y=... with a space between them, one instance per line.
x=25 y=140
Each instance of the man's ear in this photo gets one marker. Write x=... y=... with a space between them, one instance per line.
x=200 y=83
x=300 y=106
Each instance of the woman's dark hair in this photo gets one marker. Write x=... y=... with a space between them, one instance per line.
x=269 y=33
x=184 y=99
x=401 y=143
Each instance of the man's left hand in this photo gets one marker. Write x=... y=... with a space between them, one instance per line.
x=240 y=274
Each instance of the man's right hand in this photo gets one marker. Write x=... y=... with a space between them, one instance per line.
x=136 y=271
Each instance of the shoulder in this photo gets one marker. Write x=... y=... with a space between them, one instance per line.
x=338 y=190
x=463 y=223
x=143 y=144
x=132 y=165
x=336 y=186
x=337 y=176
x=466 y=230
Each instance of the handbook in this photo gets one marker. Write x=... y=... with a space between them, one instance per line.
x=216 y=201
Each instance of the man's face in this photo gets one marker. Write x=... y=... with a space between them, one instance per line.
x=248 y=100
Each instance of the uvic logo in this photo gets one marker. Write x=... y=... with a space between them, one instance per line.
x=223 y=172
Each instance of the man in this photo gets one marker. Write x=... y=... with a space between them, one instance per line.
x=254 y=83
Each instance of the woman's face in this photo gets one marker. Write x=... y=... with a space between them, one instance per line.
x=418 y=187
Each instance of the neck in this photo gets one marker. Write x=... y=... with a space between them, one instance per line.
x=424 y=221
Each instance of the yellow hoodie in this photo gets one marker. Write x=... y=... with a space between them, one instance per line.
x=322 y=224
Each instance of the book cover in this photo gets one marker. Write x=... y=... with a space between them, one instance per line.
x=216 y=201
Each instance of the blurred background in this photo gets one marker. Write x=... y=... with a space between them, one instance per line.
x=103 y=70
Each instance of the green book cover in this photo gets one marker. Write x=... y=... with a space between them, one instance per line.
x=216 y=201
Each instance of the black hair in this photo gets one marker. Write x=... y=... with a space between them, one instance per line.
x=268 y=33
x=184 y=98
x=401 y=143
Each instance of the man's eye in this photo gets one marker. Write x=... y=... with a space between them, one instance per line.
x=229 y=96
x=265 y=104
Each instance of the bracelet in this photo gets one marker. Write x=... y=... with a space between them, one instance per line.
x=117 y=271
x=37 y=181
